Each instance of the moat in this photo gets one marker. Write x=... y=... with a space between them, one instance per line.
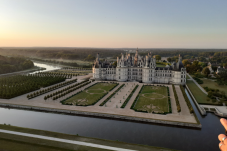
x=131 y=132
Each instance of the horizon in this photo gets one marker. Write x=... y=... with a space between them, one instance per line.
x=114 y=24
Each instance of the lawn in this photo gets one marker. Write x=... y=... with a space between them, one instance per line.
x=153 y=99
x=212 y=84
x=187 y=77
x=21 y=143
x=91 y=95
x=200 y=97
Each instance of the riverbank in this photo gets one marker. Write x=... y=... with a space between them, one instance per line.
x=24 y=142
x=33 y=69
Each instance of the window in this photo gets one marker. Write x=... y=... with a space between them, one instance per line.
x=119 y=77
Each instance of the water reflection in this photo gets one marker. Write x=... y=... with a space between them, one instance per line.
x=48 y=67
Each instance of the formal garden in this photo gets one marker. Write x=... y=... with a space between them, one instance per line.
x=153 y=99
x=61 y=93
x=90 y=95
x=17 y=85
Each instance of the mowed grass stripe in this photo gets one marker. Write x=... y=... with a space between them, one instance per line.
x=91 y=95
x=153 y=98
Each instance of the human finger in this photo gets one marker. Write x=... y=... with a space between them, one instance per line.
x=224 y=123
x=222 y=146
x=222 y=138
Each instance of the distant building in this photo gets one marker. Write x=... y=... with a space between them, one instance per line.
x=219 y=69
x=210 y=67
x=141 y=69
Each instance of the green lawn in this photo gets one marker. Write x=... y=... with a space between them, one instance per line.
x=212 y=84
x=153 y=98
x=9 y=142
x=187 y=77
x=90 y=95
x=200 y=97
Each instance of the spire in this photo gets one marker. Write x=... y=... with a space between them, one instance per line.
x=97 y=58
x=180 y=58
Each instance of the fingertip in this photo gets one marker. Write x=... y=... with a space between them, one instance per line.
x=222 y=120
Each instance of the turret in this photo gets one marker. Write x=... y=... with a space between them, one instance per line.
x=147 y=59
x=97 y=58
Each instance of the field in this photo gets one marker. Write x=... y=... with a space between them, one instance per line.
x=153 y=99
x=200 y=97
x=91 y=95
x=212 y=84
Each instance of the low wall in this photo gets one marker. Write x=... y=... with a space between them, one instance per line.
x=120 y=117
x=201 y=110
x=219 y=113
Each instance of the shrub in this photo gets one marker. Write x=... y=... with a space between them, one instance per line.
x=129 y=97
x=176 y=99
x=187 y=100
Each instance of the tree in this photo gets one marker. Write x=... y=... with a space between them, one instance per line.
x=158 y=57
x=186 y=62
x=210 y=94
x=169 y=59
x=206 y=71
x=115 y=63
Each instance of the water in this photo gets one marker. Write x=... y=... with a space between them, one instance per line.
x=48 y=67
x=172 y=137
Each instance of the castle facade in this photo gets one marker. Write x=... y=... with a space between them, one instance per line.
x=141 y=69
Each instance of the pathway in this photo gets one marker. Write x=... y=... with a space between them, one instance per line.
x=129 y=104
x=183 y=105
x=65 y=141
x=118 y=99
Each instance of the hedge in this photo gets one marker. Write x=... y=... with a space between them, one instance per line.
x=46 y=90
x=129 y=97
x=187 y=100
x=176 y=98
x=107 y=99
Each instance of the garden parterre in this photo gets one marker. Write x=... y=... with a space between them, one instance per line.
x=91 y=95
x=152 y=99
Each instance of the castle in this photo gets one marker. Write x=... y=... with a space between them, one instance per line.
x=141 y=69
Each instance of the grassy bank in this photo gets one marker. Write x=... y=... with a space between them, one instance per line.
x=21 y=143
x=200 y=97
x=214 y=85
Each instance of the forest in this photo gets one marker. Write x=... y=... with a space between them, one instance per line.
x=89 y=54
x=13 y=64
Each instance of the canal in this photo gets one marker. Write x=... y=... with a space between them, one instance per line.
x=172 y=137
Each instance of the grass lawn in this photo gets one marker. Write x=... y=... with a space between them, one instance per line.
x=21 y=143
x=91 y=95
x=200 y=97
x=212 y=84
x=187 y=77
x=153 y=98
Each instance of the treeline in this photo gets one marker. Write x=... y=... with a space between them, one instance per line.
x=61 y=53
x=13 y=64
x=83 y=53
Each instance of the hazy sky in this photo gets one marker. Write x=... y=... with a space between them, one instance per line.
x=114 y=23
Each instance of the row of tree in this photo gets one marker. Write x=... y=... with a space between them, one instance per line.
x=20 y=84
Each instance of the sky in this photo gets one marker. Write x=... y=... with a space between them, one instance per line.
x=114 y=23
